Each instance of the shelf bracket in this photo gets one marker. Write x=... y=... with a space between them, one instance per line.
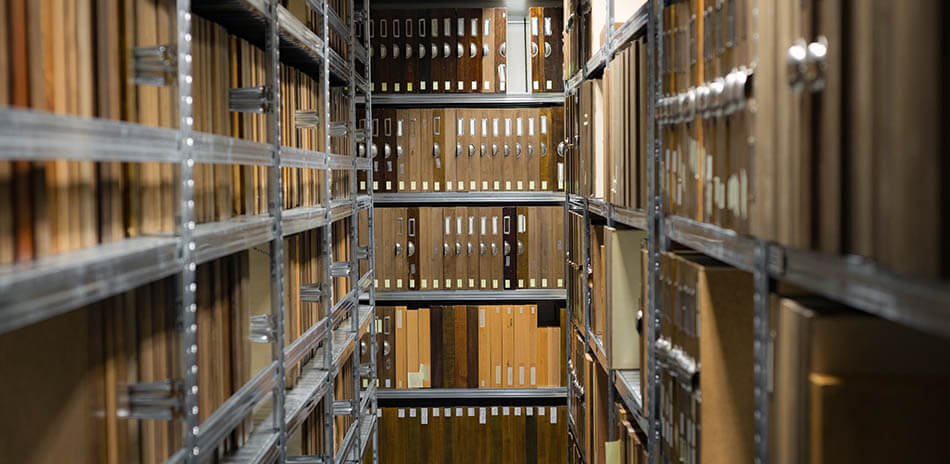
x=262 y=329
x=162 y=400
x=156 y=65
x=250 y=100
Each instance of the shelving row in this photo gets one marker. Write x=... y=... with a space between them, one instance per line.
x=37 y=290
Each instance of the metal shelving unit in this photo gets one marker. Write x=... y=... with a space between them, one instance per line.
x=34 y=291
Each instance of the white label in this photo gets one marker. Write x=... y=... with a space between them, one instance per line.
x=529 y=411
x=412 y=185
x=425 y=416
x=435 y=412
x=510 y=372
x=554 y=415
x=435 y=186
x=388 y=384
x=497 y=185
x=461 y=185
x=494 y=127
x=520 y=185
x=448 y=412
x=484 y=283
x=471 y=412
x=379 y=412
x=544 y=283
x=544 y=185
x=398 y=318
x=533 y=382
x=422 y=85
x=520 y=375
x=549 y=84
x=412 y=412
x=544 y=124
x=425 y=185
x=484 y=185
x=505 y=411
x=535 y=85
x=481 y=317
x=494 y=410
x=458 y=412
x=519 y=127
x=494 y=225
x=530 y=127
x=540 y=410
x=481 y=415
x=458 y=225
x=402 y=413
x=507 y=127
x=517 y=411
x=484 y=127
x=497 y=374
x=471 y=127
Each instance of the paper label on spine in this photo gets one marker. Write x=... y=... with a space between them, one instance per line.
x=505 y=411
x=425 y=416
x=494 y=410
x=458 y=412
x=510 y=373
x=529 y=411
x=402 y=413
x=481 y=415
x=540 y=410
x=517 y=411
x=553 y=415
x=412 y=412
x=471 y=412
x=435 y=412
x=448 y=412
x=498 y=374
x=533 y=378
x=520 y=375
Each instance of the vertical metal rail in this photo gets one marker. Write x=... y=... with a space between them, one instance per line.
x=762 y=351
x=327 y=294
x=371 y=248
x=275 y=205
x=656 y=233
x=354 y=223
x=568 y=281
x=187 y=285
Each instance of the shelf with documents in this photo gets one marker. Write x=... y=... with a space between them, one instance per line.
x=494 y=100
x=631 y=217
x=627 y=384
x=469 y=198
x=633 y=27
x=452 y=395
x=473 y=295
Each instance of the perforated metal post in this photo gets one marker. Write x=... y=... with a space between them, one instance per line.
x=371 y=252
x=656 y=241
x=276 y=203
x=354 y=222
x=187 y=285
x=327 y=244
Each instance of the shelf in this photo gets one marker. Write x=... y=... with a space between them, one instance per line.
x=627 y=383
x=308 y=391
x=855 y=281
x=630 y=29
x=352 y=435
x=469 y=99
x=597 y=347
x=474 y=295
x=469 y=198
x=636 y=218
x=722 y=244
x=473 y=393
x=37 y=290
x=368 y=423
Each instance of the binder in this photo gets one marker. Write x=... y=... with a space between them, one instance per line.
x=508 y=347
x=411 y=339
x=536 y=49
x=541 y=354
x=497 y=249
x=534 y=150
x=472 y=177
x=400 y=272
x=463 y=144
x=385 y=355
x=461 y=346
x=438 y=149
x=436 y=246
x=520 y=150
x=451 y=148
x=449 y=375
x=496 y=335
x=488 y=51
x=412 y=250
x=484 y=247
x=459 y=223
x=483 y=148
x=552 y=48
x=533 y=248
x=547 y=162
x=509 y=248
x=401 y=347
x=500 y=16
x=623 y=285
x=401 y=149
x=449 y=52
x=385 y=259
x=546 y=259
x=448 y=248
x=496 y=149
x=408 y=59
x=471 y=346
x=531 y=342
x=471 y=249
x=474 y=50
x=398 y=62
x=484 y=347
x=509 y=165
x=414 y=163
x=556 y=231
x=383 y=42
x=388 y=149
x=423 y=56
x=460 y=50
x=521 y=247
x=436 y=347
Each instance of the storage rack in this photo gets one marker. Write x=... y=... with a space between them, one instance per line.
x=471 y=100
x=38 y=290
x=851 y=280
